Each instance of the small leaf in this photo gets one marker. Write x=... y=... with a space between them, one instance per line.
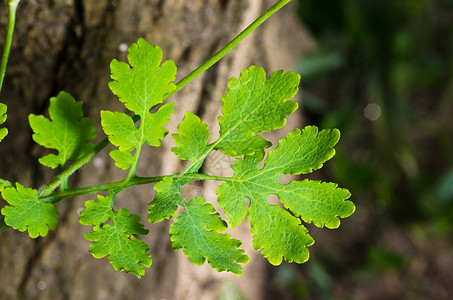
x=253 y=105
x=191 y=139
x=28 y=212
x=3 y=131
x=67 y=131
x=166 y=201
x=120 y=129
x=125 y=251
x=196 y=232
x=123 y=160
x=4 y=184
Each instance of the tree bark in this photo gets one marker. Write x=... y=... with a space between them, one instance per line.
x=68 y=45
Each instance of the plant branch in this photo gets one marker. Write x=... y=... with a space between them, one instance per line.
x=9 y=38
x=56 y=181
x=117 y=186
x=124 y=184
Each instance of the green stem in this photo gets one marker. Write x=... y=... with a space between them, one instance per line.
x=222 y=52
x=9 y=38
x=116 y=187
x=56 y=181
x=124 y=184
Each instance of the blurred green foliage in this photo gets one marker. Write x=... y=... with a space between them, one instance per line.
x=395 y=55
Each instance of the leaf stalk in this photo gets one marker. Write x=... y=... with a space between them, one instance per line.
x=9 y=38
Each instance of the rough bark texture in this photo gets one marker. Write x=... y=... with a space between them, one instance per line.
x=68 y=45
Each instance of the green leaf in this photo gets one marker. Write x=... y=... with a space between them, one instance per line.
x=191 y=139
x=4 y=184
x=274 y=230
x=196 y=232
x=141 y=86
x=28 y=212
x=116 y=240
x=253 y=105
x=166 y=201
x=123 y=160
x=3 y=131
x=67 y=131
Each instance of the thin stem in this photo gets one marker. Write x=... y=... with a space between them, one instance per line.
x=124 y=184
x=9 y=38
x=56 y=181
x=117 y=186
x=222 y=52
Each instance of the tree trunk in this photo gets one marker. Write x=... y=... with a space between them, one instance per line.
x=68 y=45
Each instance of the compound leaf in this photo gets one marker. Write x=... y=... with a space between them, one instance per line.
x=28 y=212
x=3 y=131
x=116 y=240
x=67 y=131
x=141 y=86
x=253 y=105
x=274 y=230
x=191 y=139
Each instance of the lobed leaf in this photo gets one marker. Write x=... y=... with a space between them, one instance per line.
x=4 y=184
x=196 y=231
x=191 y=140
x=28 y=212
x=253 y=105
x=166 y=201
x=116 y=240
x=3 y=131
x=141 y=86
x=67 y=131
x=274 y=230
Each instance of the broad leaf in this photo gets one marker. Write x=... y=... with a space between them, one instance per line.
x=28 y=212
x=253 y=105
x=274 y=230
x=67 y=131
x=116 y=240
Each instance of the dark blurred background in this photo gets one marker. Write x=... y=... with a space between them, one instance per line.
x=382 y=73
